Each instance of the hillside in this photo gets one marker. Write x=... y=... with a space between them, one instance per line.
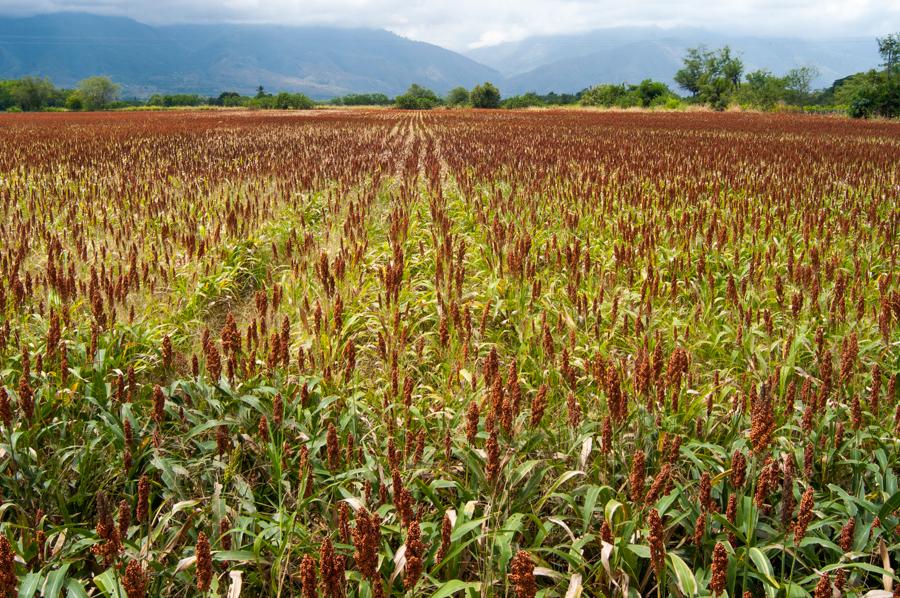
x=319 y=61
x=630 y=54
x=328 y=61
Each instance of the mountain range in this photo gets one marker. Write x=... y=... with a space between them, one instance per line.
x=324 y=61
x=631 y=54
x=207 y=59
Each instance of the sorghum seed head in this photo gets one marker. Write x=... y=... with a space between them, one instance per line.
x=804 y=516
x=522 y=575
x=657 y=545
x=719 y=572
x=204 y=563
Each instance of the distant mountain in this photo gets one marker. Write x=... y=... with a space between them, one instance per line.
x=320 y=61
x=328 y=61
x=630 y=54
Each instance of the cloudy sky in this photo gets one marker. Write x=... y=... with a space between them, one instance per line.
x=463 y=24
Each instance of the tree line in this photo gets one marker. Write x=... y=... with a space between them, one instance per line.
x=31 y=94
x=714 y=78
x=38 y=93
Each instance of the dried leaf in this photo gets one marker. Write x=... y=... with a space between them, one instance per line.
x=575 y=587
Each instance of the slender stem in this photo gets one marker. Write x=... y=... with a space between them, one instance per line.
x=791 y=577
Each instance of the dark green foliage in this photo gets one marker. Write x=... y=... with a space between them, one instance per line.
x=229 y=98
x=610 y=95
x=287 y=101
x=716 y=93
x=174 y=100
x=74 y=102
x=764 y=90
x=561 y=99
x=871 y=94
x=362 y=99
x=527 y=100
x=532 y=99
x=649 y=93
x=875 y=93
x=31 y=93
x=485 y=95
x=710 y=75
x=97 y=93
x=889 y=48
x=458 y=96
x=6 y=100
x=417 y=98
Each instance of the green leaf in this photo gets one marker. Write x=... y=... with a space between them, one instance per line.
x=243 y=556
x=590 y=501
x=453 y=586
x=107 y=583
x=609 y=512
x=848 y=565
x=522 y=471
x=559 y=482
x=641 y=551
x=75 y=589
x=687 y=583
x=201 y=428
x=55 y=582
x=461 y=530
x=892 y=504
x=30 y=585
x=764 y=566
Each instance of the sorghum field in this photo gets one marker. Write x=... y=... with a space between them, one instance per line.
x=377 y=353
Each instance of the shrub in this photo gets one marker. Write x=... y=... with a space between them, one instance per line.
x=485 y=96
x=417 y=98
x=458 y=96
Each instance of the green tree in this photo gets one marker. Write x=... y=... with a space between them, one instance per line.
x=32 y=93
x=229 y=98
x=485 y=96
x=458 y=96
x=526 y=100
x=889 y=48
x=799 y=80
x=74 y=102
x=716 y=93
x=875 y=93
x=292 y=101
x=175 y=100
x=648 y=93
x=710 y=75
x=608 y=94
x=762 y=89
x=731 y=67
x=97 y=93
x=652 y=92
x=417 y=98
x=559 y=99
x=690 y=75
x=362 y=99
x=6 y=95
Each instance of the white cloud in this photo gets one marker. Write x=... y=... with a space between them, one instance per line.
x=462 y=24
